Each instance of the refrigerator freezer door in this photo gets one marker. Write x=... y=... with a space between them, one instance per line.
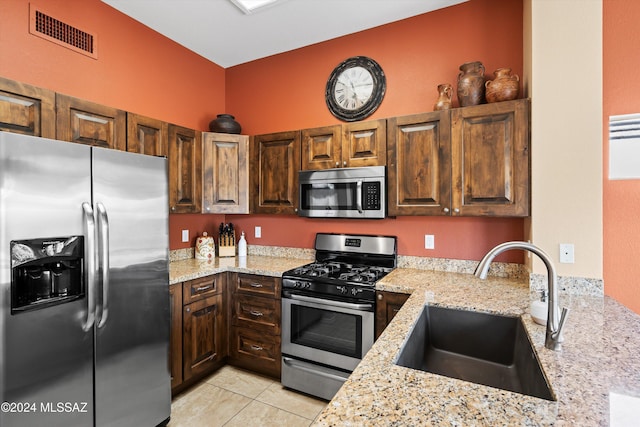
x=132 y=371
x=46 y=359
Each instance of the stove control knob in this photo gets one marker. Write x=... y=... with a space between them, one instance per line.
x=307 y=285
x=342 y=289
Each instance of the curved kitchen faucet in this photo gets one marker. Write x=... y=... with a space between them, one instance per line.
x=553 y=339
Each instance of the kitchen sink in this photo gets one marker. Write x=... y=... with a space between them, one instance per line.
x=482 y=348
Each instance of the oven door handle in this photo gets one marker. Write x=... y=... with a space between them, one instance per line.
x=360 y=307
x=359 y=196
x=293 y=364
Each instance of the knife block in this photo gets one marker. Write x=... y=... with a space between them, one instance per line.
x=227 y=245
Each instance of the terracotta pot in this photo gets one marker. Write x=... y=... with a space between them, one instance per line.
x=444 y=97
x=224 y=123
x=471 y=84
x=504 y=87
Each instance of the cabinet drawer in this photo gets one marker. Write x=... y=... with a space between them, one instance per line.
x=197 y=289
x=256 y=313
x=257 y=285
x=259 y=351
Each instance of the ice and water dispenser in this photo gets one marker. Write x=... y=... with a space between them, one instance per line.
x=46 y=272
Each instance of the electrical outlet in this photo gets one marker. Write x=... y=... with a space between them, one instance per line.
x=257 y=232
x=429 y=241
x=185 y=236
x=567 y=255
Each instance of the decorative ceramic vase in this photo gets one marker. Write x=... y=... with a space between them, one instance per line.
x=444 y=97
x=205 y=247
x=471 y=84
x=224 y=123
x=504 y=87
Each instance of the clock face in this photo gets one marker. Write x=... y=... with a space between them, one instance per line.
x=355 y=88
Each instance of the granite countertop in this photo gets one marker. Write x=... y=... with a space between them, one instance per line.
x=597 y=371
x=189 y=269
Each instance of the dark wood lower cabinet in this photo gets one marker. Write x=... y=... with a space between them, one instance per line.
x=387 y=306
x=199 y=339
x=202 y=335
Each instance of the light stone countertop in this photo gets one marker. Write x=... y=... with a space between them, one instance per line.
x=601 y=355
x=191 y=268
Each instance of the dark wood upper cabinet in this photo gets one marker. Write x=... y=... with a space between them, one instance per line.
x=225 y=173
x=185 y=170
x=419 y=164
x=146 y=135
x=27 y=109
x=348 y=145
x=490 y=151
x=321 y=147
x=364 y=143
x=275 y=163
x=86 y=122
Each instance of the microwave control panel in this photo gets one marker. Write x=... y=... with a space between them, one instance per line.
x=371 y=194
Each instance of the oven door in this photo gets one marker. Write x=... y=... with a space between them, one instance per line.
x=332 y=333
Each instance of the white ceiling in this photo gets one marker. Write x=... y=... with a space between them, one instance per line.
x=220 y=32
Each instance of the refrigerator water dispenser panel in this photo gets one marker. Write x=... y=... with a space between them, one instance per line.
x=46 y=272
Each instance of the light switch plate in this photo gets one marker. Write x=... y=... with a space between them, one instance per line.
x=429 y=241
x=185 y=236
x=567 y=255
x=258 y=232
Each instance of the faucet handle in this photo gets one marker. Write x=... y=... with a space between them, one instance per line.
x=563 y=317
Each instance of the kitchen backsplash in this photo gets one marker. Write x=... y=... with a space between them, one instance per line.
x=569 y=285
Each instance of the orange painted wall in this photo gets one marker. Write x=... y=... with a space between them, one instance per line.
x=137 y=69
x=286 y=91
x=621 y=95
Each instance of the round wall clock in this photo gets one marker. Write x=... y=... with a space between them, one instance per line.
x=355 y=88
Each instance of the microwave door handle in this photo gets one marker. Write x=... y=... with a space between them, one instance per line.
x=359 y=196
x=90 y=263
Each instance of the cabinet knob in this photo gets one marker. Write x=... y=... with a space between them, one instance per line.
x=208 y=209
x=188 y=310
x=445 y=210
x=173 y=208
x=379 y=297
x=456 y=210
x=344 y=163
x=337 y=164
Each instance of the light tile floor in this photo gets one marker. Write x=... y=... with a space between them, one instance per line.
x=234 y=397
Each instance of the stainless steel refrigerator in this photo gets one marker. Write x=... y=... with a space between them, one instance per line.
x=84 y=286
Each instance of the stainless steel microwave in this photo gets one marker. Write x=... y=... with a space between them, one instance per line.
x=343 y=193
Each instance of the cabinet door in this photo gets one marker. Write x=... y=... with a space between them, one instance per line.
x=490 y=151
x=203 y=332
x=185 y=170
x=419 y=169
x=175 y=342
x=225 y=173
x=86 y=122
x=364 y=143
x=321 y=148
x=146 y=135
x=275 y=163
x=387 y=306
x=27 y=109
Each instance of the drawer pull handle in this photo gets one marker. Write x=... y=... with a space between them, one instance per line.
x=256 y=313
x=395 y=310
x=256 y=285
x=256 y=348
x=203 y=288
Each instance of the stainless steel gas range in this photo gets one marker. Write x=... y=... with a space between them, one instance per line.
x=328 y=310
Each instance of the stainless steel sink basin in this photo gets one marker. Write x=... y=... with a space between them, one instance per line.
x=482 y=348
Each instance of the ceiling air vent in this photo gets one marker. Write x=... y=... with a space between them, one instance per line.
x=63 y=34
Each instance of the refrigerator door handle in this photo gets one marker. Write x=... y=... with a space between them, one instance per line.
x=103 y=259
x=90 y=263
